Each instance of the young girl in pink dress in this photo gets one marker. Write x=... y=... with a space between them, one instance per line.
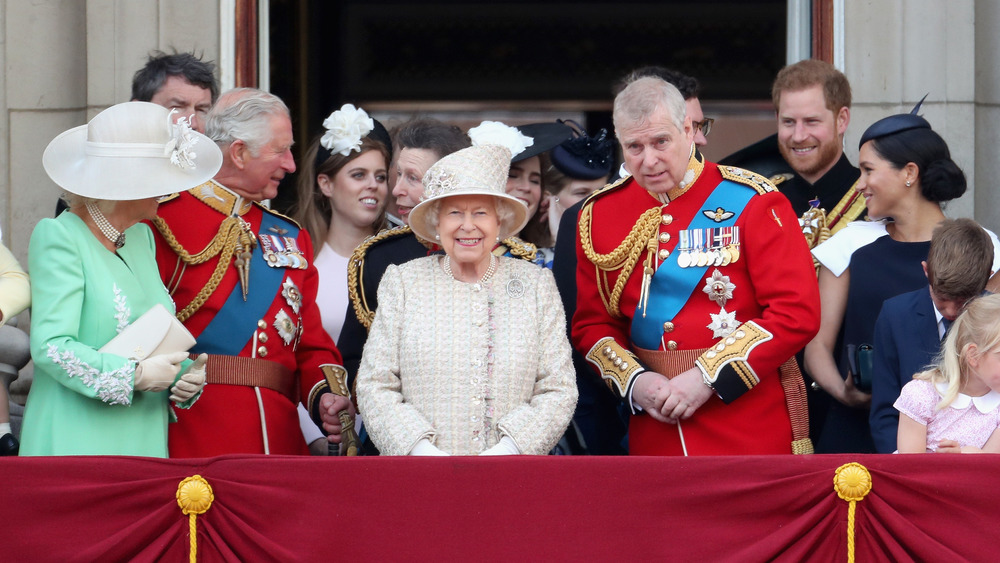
x=955 y=405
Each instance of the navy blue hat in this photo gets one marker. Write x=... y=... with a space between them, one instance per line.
x=895 y=124
x=584 y=158
x=545 y=137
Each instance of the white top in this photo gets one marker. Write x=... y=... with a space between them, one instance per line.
x=463 y=364
x=332 y=295
x=835 y=253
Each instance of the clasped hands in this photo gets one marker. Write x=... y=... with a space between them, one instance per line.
x=159 y=372
x=671 y=400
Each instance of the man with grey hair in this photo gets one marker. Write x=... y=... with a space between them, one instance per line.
x=706 y=291
x=243 y=283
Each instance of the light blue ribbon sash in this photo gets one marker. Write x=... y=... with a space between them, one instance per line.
x=671 y=286
x=236 y=321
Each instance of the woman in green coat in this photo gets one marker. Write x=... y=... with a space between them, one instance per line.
x=94 y=273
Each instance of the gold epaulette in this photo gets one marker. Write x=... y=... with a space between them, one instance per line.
x=355 y=273
x=270 y=211
x=779 y=179
x=849 y=208
x=748 y=178
x=605 y=190
x=518 y=249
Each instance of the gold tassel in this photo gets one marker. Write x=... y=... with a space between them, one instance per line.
x=194 y=496
x=853 y=482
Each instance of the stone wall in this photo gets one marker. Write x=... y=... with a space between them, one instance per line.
x=898 y=50
x=64 y=61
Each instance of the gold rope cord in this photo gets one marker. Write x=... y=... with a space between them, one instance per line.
x=355 y=273
x=223 y=245
x=194 y=496
x=853 y=482
x=625 y=256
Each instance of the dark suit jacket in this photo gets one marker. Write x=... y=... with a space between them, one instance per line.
x=599 y=416
x=906 y=341
x=392 y=250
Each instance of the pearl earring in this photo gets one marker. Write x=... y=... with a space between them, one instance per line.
x=498 y=238
x=437 y=236
x=907 y=183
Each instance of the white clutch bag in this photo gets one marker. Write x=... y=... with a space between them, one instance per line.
x=155 y=332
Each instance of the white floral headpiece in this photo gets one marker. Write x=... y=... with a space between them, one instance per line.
x=345 y=128
x=496 y=133
x=182 y=141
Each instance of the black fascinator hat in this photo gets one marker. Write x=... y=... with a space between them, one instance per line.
x=584 y=157
x=895 y=124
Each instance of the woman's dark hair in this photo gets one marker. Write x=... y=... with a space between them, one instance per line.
x=940 y=178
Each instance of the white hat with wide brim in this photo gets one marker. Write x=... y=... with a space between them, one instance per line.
x=479 y=170
x=131 y=151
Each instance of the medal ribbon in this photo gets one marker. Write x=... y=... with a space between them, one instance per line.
x=235 y=323
x=672 y=285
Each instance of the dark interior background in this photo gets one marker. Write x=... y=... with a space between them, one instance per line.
x=413 y=56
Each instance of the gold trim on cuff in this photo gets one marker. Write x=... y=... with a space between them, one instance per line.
x=734 y=349
x=617 y=365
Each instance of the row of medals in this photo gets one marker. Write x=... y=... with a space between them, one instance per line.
x=722 y=256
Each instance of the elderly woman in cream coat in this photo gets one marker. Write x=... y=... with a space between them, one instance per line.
x=468 y=353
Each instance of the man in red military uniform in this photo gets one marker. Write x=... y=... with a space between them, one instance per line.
x=706 y=290
x=244 y=285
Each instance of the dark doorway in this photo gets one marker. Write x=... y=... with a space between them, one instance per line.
x=410 y=57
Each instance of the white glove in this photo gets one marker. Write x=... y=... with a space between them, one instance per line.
x=505 y=446
x=425 y=447
x=156 y=373
x=191 y=382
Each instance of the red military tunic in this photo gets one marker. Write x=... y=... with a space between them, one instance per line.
x=772 y=312
x=233 y=417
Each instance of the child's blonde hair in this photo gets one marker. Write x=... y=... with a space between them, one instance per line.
x=978 y=324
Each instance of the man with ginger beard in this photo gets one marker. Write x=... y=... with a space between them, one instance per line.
x=812 y=103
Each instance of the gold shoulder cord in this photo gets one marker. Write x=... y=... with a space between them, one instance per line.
x=625 y=256
x=354 y=274
x=518 y=248
x=231 y=235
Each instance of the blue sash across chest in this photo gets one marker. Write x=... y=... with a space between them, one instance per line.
x=236 y=321
x=671 y=286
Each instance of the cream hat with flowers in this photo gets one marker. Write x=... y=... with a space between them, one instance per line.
x=479 y=170
x=131 y=150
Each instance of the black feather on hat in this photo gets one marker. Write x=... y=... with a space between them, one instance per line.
x=895 y=124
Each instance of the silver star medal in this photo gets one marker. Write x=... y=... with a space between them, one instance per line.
x=723 y=324
x=285 y=326
x=719 y=288
x=291 y=294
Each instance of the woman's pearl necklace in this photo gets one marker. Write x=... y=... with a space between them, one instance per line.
x=486 y=277
x=114 y=235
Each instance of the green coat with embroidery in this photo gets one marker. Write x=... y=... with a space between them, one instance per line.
x=82 y=402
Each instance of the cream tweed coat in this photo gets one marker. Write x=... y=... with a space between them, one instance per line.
x=464 y=365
